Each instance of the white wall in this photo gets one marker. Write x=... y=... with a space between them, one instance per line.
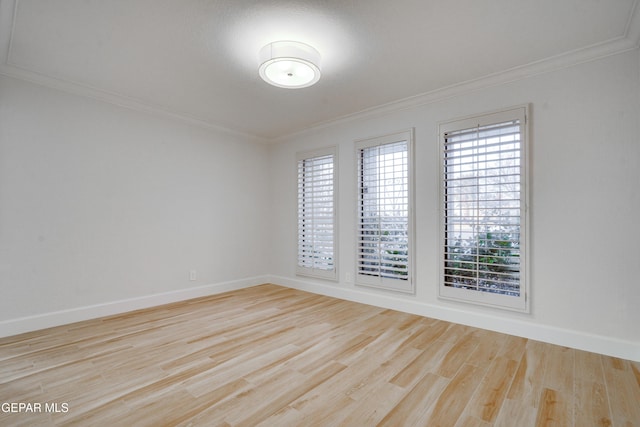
x=585 y=205
x=100 y=204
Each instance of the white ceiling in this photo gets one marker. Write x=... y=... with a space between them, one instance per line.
x=198 y=59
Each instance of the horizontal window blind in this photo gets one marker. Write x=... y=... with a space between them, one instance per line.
x=316 y=215
x=383 y=227
x=483 y=207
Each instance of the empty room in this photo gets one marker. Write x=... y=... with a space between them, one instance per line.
x=320 y=213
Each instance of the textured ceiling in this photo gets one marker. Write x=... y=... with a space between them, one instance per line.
x=198 y=59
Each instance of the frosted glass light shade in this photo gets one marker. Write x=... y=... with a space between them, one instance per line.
x=289 y=64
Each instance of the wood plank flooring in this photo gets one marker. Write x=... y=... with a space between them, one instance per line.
x=274 y=356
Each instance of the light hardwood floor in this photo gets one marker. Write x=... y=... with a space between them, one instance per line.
x=274 y=356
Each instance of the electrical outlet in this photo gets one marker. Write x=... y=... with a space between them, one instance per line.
x=348 y=277
x=192 y=275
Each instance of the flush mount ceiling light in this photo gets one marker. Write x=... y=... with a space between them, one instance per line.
x=289 y=64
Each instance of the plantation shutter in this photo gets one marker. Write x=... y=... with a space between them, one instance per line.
x=316 y=215
x=383 y=234
x=483 y=208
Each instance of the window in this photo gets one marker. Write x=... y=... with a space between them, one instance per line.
x=384 y=233
x=483 y=209
x=316 y=214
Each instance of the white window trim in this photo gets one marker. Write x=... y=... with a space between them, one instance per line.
x=516 y=303
x=408 y=285
x=314 y=272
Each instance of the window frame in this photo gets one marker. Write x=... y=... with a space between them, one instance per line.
x=509 y=302
x=311 y=271
x=391 y=284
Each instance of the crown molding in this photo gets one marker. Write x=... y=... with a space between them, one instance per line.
x=121 y=101
x=8 y=11
x=629 y=40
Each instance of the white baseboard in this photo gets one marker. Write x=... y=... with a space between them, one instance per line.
x=565 y=337
x=568 y=338
x=47 y=320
